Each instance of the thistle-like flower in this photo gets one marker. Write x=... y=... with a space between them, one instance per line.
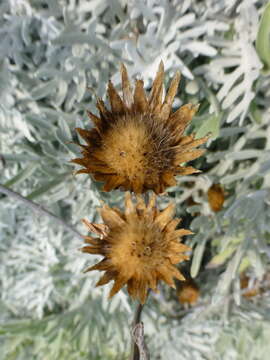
x=140 y=246
x=138 y=144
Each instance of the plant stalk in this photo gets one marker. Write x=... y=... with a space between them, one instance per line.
x=135 y=353
x=39 y=208
x=139 y=350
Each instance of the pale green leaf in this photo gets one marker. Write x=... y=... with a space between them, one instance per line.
x=197 y=258
x=22 y=175
x=46 y=187
x=210 y=125
x=263 y=38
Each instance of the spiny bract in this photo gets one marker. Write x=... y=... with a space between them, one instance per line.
x=138 y=144
x=140 y=246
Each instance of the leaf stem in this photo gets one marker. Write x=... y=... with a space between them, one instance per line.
x=211 y=96
x=40 y=209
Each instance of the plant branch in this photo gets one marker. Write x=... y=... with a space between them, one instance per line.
x=139 y=349
x=140 y=352
x=39 y=208
x=137 y=334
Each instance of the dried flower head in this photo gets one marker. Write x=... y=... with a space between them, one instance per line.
x=216 y=197
x=138 y=144
x=140 y=246
x=188 y=293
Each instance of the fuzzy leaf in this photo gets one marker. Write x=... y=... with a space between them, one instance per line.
x=263 y=38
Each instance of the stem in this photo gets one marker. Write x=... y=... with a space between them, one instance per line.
x=135 y=353
x=137 y=316
x=39 y=208
x=139 y=350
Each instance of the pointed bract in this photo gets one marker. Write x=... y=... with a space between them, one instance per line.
x=140 y=104
x=167 y=105
x=157 y=88
x=117 y=105
x=126 y=88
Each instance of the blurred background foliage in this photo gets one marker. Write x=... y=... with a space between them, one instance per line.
x=55 y=57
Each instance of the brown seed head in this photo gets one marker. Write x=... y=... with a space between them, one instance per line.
x=138 y=144
x=140 y=247
x=188 y=293
x=216 y=197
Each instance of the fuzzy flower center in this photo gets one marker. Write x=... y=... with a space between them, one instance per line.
x=142 y=244
x=131 y=148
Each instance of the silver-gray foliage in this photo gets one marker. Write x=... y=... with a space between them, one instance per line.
x=55 y=57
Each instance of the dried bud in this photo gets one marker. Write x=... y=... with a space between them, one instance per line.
x=216 y=197
x=188 y=293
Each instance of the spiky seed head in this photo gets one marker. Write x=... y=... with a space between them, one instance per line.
x=140 y=246
x=139 y=143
